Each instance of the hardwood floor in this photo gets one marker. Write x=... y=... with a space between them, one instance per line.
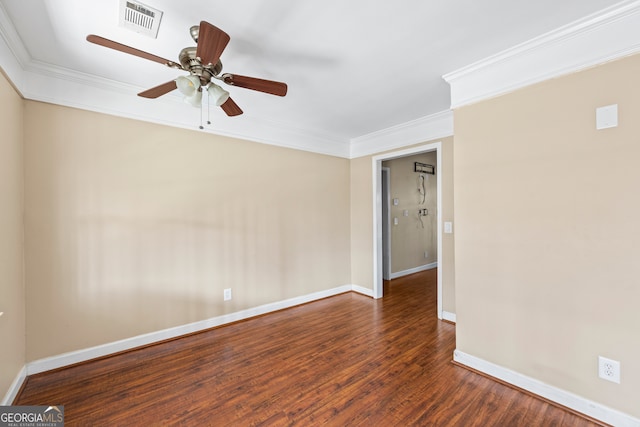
x=348 y=360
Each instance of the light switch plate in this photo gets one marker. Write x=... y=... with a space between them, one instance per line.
x=607 y=117
x=448 y=227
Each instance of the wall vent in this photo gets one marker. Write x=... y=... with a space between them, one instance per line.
x=140 y=18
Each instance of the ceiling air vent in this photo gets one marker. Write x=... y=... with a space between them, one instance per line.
x=140 y=18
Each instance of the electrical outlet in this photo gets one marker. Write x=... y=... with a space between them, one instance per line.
x=227 y=294
x=426 y=254
x=609 y=369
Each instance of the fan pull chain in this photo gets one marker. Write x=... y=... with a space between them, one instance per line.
x=201 y=127
x=205 y=94
x=208 y=109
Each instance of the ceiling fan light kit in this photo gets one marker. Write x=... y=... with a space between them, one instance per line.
x=219 y=95
x=203 y=64
x=195 y=99
x=188 y=85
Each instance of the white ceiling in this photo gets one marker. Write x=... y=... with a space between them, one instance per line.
x=353 y=67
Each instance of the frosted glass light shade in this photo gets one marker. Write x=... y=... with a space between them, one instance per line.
x=195 y=99
x=188 y=85
x=217 y=94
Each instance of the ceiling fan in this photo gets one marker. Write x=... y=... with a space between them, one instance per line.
x=203 y=65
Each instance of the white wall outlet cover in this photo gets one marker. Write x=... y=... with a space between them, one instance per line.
x=395 y=202
x=607 y=117
x=609 y=369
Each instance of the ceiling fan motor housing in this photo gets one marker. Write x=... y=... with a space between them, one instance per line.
x=191 y=63
x=195 y=32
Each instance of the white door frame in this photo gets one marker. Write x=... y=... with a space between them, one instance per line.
x=377 y=213
x=386 y=237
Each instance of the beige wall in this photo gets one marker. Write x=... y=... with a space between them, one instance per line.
x=411 y=238
x=448 y=242
x=362 y=223
x=548 y=232
x=12 y=323
x=134 y=227
x=361 y=185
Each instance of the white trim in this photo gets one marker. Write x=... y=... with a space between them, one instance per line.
x=386 y=237
x=414 y=270
x=377 y=212
x=439 y=165
x=364 y=291
x=56 y=85
x=434 y=126
x=83 y=355
x=12 y=52
x=600 y=37
x=603 y=36
x=376 y=185
x=560 y=396
x=15 y=387
x=451 y=317
x=49 y=83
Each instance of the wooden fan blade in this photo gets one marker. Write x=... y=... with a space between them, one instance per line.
x=211 y=43
x=159 y=90
x=231 y=108
x=130 y=50
x=261 y=85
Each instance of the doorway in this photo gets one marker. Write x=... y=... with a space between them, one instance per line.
x=379 y=218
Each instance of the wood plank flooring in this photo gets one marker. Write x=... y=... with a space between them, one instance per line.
x=347 y=360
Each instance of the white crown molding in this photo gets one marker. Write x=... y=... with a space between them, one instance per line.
x=604 y=36
x=13 y=55
x=47 y=83
x=578 y=403
x=609 y=34
x=43 y=82
x=52 y=84
x=424 y=129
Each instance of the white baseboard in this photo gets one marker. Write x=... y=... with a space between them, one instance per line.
x=364 y=291
x=413 y=270
x=15 y=387
x=78 y=356
x=451 y=317
x=554 y=394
